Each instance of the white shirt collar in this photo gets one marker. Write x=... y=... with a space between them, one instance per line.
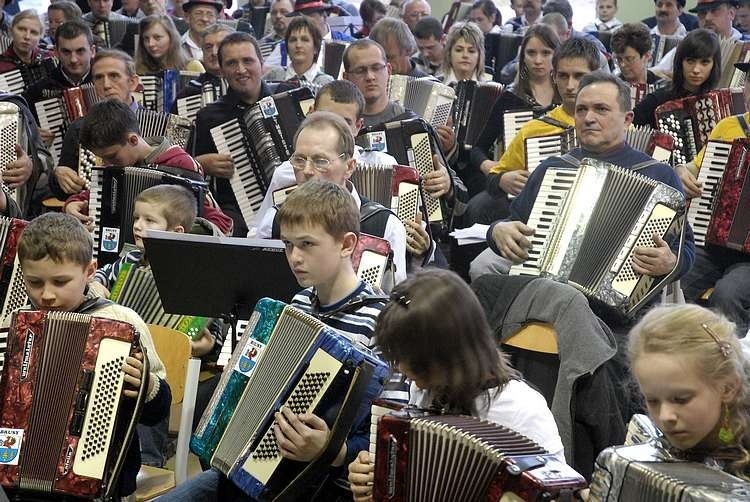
x=681 y=31
x=309 y=75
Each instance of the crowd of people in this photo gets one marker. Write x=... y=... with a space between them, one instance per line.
x=443 y=321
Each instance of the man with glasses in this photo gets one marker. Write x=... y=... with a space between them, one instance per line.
x=200 y=15
x=414 y=10
x=631 y=45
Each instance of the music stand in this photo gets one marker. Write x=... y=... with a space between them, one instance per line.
x=214 y=276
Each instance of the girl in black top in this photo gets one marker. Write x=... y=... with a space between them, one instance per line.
x=696 y=70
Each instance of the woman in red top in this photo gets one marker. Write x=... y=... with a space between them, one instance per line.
x=26 y=31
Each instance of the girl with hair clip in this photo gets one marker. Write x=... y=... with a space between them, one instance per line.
x=453 y=363
x=487 y=16
x=694 y=378
x=695 y=71
x=159 y=47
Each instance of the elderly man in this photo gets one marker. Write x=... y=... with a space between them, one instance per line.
x=200 y=15
x=602 y=113
x=414 y=10
x=279 y=15
x=399 y=44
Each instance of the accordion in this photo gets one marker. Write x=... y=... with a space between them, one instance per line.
x=690 y=120
x=16 y=81
x=12 y=130
x=428 y=98
x=136 y=289
x=160 y=89
x=733 y=52
x=189 y=106
x=285 y=357
x=112 y=196
x=719 y=215
x=661 y=46
x=537 y=149
x=259 y=142
x=112 y=32
x=373 y=261
x=333 y=58
x=442 y=458
x=657 y=144
x=12 y=289
x=472 y=109
x=647 y=473
x=588 y=222
x=501 y=49
x=175 y=128
x=56 y=113
x=513 y=121
x=63 y=422
x=412 y=143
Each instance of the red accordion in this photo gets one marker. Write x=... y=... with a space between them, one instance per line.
x=445 y=458
x=62 y=430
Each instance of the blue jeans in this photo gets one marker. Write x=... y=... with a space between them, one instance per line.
x=201 y=488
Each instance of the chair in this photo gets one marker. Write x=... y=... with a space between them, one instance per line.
x=182 y=370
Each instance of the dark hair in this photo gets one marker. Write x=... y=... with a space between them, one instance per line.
x=108 y=123
x=599 y=76
x=428 y=27
x=681 y=3
x=342 y=91
x=368 y=9
x=239 y=37
x=561 y=6
x=174 y=59
x=457 y=344
x=490 y=10
x=74 y=29
x=361 y=44
x=698 y=44
x=57 y=236
x=577 y=48
x=545 y=34
x=301 y=23
x=635 y=35
x=71 y=10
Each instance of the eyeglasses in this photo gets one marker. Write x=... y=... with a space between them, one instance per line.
x=321 y=164
x=361 y=71
x=626 y=59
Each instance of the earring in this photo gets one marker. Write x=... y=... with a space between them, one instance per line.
x=726 y=436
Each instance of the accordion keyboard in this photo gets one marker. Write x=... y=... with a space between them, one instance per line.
x=715 y=160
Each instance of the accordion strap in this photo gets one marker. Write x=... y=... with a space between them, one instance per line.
x=310 y=475
x=554 y=122
x=743 y=124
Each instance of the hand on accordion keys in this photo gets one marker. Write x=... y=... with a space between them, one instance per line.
x=77 y=208
x=447 y=136
x=417 y=238
x=654 y=261
x=361 y=477
x=511 y=239
x=17 y=172
x=216 y=164
x=438 y=182
x=48 y=137
x=69 y=180
x=302 y=437
x=133 y=369
x=692 y=187
x=512 y=182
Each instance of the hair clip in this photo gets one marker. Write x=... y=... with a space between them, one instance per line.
x=724 y=347
x=400 y=298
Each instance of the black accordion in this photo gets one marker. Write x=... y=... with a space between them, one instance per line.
x=112 y=196
x=662 y=44
x=412 y=143
x=12 y=289
x=175 y=128
x=65 y=427
x=57 y=112
x=16 y=81
x=116 y=32
x=160 y=89
x=589 y=220
x=472 y=109
x=259 y=142
x=648 y=473
x=443 y=458
x=189 y=106
x=500 y=49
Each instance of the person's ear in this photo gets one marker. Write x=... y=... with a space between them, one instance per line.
x=134 y=82
x=93 y=50
x=351 y=164
x=359 y=124
x=133 y=139
x=90 y=270
x=348 y=244
x=629 y=118
x=179 y=229
x=729 y=389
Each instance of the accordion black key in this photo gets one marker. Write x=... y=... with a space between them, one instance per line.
x=160 y=89
x=175 y=128
x=442 y=458
x=112 y=196
x=189 y=106
x=16 y=81
x=64 y=424
x=589 y=220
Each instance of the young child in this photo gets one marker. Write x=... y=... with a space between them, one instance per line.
x=319 y=224
x=435 y=330
x=694 y=378
x=111 y=131
x=55 y=252
x=606 y=10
